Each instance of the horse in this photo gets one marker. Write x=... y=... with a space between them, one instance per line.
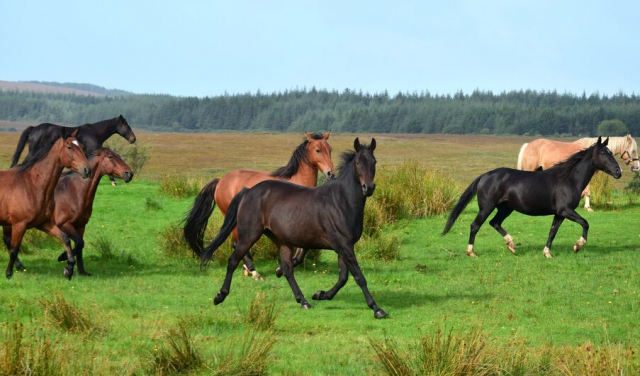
x=326 y=217
x=27 y=193
x=543 y=153
x=74 y=201
x=313 y=154
x=555 y=191
x=90 y=136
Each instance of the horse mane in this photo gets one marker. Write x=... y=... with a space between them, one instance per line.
x=299 y=156
x=346 y=160
x=566 y=167
x=37 y=155
x=617 y=145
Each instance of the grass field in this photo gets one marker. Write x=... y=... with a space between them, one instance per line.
x=138 y=295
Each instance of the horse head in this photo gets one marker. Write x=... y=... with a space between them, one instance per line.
x=72 y=156
x=125 y=130
x=110 y=163
x=319 y=153
x=630 y=154
x=604 y=160
x=365 y=166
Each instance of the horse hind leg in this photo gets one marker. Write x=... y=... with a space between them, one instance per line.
x=287 y=268
x=555 y=225
x=482 y=216
x=6 y=237
x=496 y=223
x=17 y=232
x=248 y=269
x=587 y=198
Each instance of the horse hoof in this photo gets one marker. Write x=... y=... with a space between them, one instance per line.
x=257 y=276
x=381 y=313
x=579 y=244
x=21 y=268
x=279 y=272
x=589 y=209
x=218 y=299
x=320 y=295
x=62 y=257
x=9 y=275
x=472 y=254
x=68 y=274
x=306 y=305
x=245 y=271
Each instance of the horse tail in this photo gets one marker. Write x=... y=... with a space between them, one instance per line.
x=21 y=144
x=195 y=222
x=461 y=204
x=230 y=222
x=521 y=155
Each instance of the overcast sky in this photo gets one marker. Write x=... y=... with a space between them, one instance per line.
x=206 y=48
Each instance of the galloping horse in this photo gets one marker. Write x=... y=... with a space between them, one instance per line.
x=90 y=136
x=74 y=201
x=313 y=154
x=27 y=193
x=543 y=153
x=555 y=191
x=332 y=219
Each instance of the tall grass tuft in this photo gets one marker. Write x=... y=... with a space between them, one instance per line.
x=105 y=247
x=254 y=357
x=34 y=240
x=601 y=188
x=179 y=355
x=180 y=187
x=379 y=247
x=36 y=356
x=67 y=316
x=262 y=313
x=607 y=359
x=151 y=204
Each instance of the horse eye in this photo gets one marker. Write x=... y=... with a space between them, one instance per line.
x=69 y=148
x=110 y=156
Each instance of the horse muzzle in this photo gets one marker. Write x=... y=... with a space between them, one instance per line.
x=330 y=175
x=367 y=190
x=131 y=139
x=127 y=176
x=85 y=172
x=617 y=173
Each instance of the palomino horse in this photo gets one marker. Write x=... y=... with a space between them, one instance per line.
x=90 y=136
x=27 y=193
x=313 y=154
x=332 y=219
x=543 y=153
x=74 y=200
x=555 y=191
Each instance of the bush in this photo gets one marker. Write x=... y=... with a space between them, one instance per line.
x=634 y=184
x=601 y=187
x=612 y=127
x=135 y=155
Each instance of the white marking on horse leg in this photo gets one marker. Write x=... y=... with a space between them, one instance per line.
x=470 y=251
x=579 y=244
x=508 y=239
x=257 y=276
x=587 y=205
x=245 y=271
x=546 y=252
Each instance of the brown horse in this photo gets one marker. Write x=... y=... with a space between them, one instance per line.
x=543 y=153
x=74 y=201
x=313 y=154
x=27 y=193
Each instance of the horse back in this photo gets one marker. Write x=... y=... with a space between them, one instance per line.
x=233 y=182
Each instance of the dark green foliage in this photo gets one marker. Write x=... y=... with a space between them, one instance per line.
x=515 y=112
x=634 y=184
x=612 y=127
x=152 y=205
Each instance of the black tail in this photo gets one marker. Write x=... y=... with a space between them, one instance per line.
x=21 y=144
x=196 y=220
x=461 y=204
x=230 y=222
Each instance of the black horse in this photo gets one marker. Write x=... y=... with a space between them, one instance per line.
x=555 y=191
x=90 y=136
x=327 y=217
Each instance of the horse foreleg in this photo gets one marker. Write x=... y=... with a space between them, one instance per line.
x=587 y=195
x=482 y=216
x=17 y=232
x=496 y=222
x=343 y=276
x=6 y=237
x=248 y=269
x=287 y=268
x=351 y=262
x=571 y=215
x=75 y=235
x=297 y=259
x=55 y=231
x=555 y=225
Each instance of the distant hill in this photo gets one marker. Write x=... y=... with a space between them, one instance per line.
x=62 y=88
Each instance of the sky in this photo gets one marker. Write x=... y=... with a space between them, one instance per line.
x=208 y=48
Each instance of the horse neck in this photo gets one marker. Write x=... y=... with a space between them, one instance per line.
x=350 y=190
x=582 y=173
x=306 y=175
x=104 y=129
x=90 y=186
x=50 y=167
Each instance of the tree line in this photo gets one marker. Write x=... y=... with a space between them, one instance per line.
x=523 y=112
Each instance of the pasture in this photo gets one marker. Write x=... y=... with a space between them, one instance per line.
x=139 y=296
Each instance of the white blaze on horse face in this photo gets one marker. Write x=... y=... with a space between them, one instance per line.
x=76 y=143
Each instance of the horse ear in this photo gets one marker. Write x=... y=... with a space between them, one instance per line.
x=356 y=144
x=372 y=147
x=309 y=136
x=75 y=133
x=599 y=140
x=326 y=135
x=605 y=142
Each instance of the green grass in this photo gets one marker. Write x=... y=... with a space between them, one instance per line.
x=140 y=293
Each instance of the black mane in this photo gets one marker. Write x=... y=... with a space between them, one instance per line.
x=346 y=160
x=37 y=155
x=566 y=167
x=299 y=156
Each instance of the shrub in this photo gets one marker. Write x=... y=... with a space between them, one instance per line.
x=634 y=184
x=612 y=127
x=601 y=187
x=135 y=155
x=178 y=186
x=69 y=317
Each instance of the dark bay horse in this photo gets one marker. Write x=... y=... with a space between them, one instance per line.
x=313 y=154
x=327 y=217
x=555 y=191
x=27 y=193
x=74 y=201
x=90 y=136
